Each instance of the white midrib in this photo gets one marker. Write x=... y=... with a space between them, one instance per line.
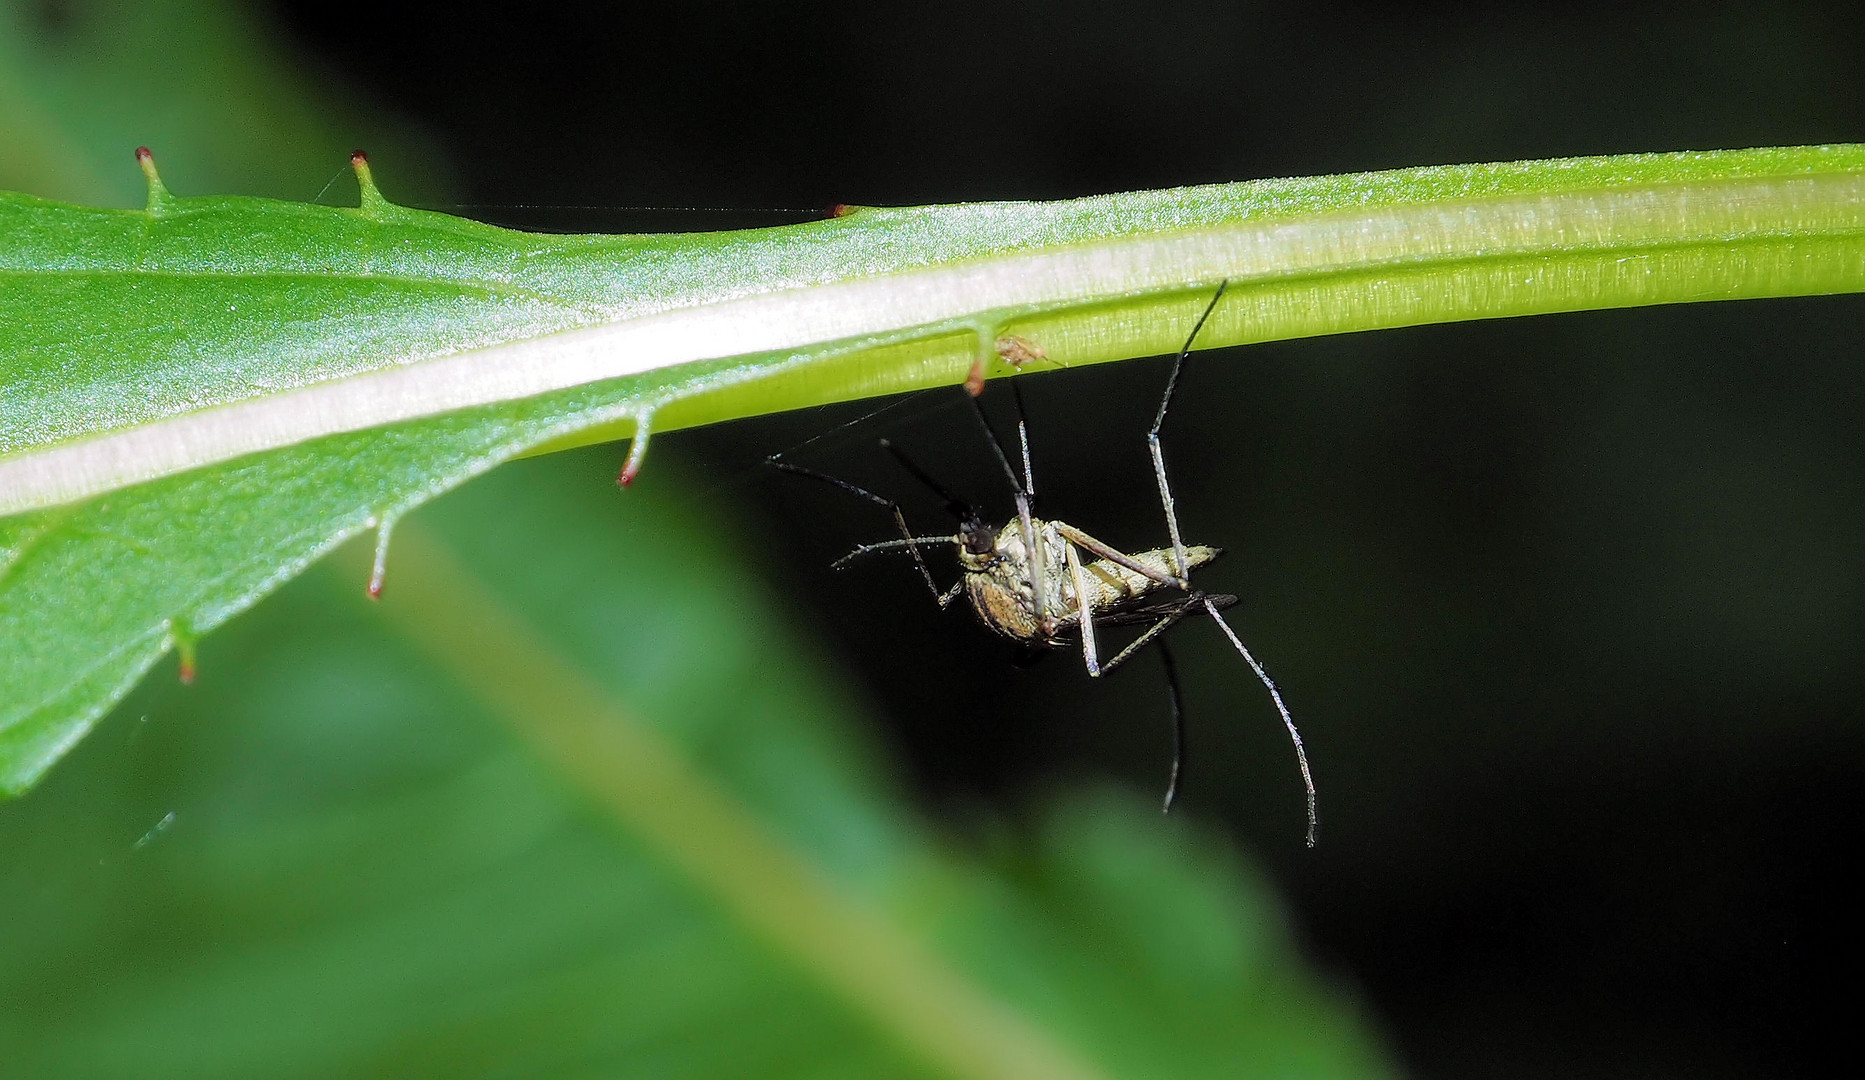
x=938 y=300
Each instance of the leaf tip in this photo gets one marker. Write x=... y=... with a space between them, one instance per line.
x=158 y=193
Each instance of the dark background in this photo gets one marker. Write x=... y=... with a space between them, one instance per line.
x=1569 y=608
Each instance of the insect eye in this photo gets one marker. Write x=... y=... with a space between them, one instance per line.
x=978 y=538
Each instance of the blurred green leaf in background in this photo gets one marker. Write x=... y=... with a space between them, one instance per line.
x=327 y=859
x=333 y=858
x=84 y=82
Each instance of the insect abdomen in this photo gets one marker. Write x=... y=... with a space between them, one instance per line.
x=1112 y=583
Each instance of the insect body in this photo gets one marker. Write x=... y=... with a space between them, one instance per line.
x=1038 y=598
x=1045 y=584
x=1049 y=593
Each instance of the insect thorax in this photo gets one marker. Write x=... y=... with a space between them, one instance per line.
x=1002 y=586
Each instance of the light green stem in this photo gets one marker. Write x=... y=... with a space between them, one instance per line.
x=1362 y=268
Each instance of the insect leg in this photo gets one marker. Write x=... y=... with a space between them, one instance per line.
x=1118 y=557
x=1026 y=498
x=1039 y=570
x=1026 y=522
x=1178 y=728
x=1023 y=439
x=1152 y=437
x=997 y=445
x=954 y=505
x=1275 y=694
x=962 y=510
x=1028 y=485
x=1165 y=623
x=900 y=518
x=1083 y=610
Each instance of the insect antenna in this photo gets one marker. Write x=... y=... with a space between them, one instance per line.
x=900 y=519
x=903 y=544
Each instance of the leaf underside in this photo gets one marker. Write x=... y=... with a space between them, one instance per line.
x=111 y=321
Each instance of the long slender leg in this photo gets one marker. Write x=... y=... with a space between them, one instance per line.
x=1178 y=555
x=1165 y=500
x=1178 y=728
x=1026 y=521
x=1165 y=623
x=954 y=505
x=1023 y=439
x=1275 y=694
x=1026 y=502
x=1152 y=437
x=1039 y=567
x=900 y=518
x=997 y=445
x=1084 y=612
x=1115 y=555
x=1027 y=486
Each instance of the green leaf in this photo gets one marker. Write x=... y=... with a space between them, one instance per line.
x=201 y=398
x=334 y=859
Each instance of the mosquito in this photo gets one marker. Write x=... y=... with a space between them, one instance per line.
x=1046 y=584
